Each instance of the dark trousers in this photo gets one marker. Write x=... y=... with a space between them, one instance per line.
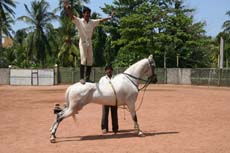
x=105 y=115
x=86 y=74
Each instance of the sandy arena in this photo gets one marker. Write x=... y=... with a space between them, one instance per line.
x=174 y=119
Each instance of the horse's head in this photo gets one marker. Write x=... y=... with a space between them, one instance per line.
x=151 y=69
x=144 y=67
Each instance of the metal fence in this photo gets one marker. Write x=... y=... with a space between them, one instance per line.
x=72 y=75
x=211 y=77
x=62 y=75
x=198 y=76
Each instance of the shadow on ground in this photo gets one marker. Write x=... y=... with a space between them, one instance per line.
x=121 y=134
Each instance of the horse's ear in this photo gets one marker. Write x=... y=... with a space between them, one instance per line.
x=150 y=57
x=152 y=60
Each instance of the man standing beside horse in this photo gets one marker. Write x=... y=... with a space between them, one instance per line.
x=105 y=108
x=85 y=28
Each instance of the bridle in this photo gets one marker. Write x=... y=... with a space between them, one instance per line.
x=147 y=82
x=152 y=78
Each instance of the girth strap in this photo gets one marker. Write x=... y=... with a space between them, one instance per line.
x=114 y=92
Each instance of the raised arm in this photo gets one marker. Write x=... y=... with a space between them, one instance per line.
x=68 y=10
x=110 y=17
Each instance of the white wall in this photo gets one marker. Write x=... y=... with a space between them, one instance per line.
x=31 y=77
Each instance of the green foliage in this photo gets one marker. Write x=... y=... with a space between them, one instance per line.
x=6 y=19
x=226 y=36
x=37 y=43
x=161 y=28
x=164 y=28
x=68 y=54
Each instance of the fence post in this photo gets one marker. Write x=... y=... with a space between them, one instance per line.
x=10 y=66
x=165 y=70
x=219 y=76
x=94 y=75
x=55 y=74
x=72 y=73
x=34 y=73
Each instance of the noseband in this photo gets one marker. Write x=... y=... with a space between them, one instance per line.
x=147 y=82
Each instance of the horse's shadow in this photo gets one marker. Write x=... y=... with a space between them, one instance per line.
x=121 y=134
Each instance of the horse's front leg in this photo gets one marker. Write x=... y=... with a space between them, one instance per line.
x=134 y=117
x=136 y=125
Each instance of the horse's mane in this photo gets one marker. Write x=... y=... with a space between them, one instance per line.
x=135 y=64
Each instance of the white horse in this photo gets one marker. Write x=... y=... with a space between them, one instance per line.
x=122 y=90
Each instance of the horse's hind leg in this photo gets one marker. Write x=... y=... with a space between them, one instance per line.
x=55 y=121
x=65 y=114
x=53 y=128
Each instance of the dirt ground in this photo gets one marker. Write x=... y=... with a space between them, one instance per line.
x=175 y=119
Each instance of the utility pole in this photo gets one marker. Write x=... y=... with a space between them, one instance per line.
x=221 y=52
x=221 y=58
x=165 y=60
x=177 y=60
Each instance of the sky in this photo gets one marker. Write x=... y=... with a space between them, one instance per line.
x=212 y=12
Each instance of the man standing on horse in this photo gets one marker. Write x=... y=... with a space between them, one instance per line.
x=85 y=28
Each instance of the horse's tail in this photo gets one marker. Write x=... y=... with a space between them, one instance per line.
x=74 y=118
x=68 y=103
x=67 y=97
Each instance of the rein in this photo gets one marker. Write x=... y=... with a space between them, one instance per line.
x=147 y=82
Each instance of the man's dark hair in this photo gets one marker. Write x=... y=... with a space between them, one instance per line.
x=109 y=66
x=85 y=8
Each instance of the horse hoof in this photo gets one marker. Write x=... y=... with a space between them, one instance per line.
x=53 y=135
x=52 y=139
x=141 y=134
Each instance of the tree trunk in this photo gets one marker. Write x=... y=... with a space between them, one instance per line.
x=0 y=42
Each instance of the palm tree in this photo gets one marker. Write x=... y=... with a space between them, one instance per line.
x=76 y=6
x=226 y=24
x=6 y=26
x=6 y=15
x=39 y=19
x=69 y=52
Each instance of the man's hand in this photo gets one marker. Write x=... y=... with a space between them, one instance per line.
x=112 y=14
x=67 y=7
x=109 y=17
x=66 y=4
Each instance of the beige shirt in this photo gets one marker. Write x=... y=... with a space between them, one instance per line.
x=85 y=29
x=105 y=79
